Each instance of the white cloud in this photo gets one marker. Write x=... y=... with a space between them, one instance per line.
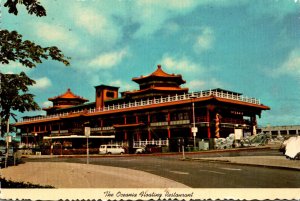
x=108 y=60
x=56 y=34
x=152 y=15
x=42 y=83
x=90 y=20
x=124 y=86
x=205 y=40
x=182 y=64
x=13 y=68
x=47 y=104
x=99 y=25
x=200 y=84
x=291 y=66
x=196 y=85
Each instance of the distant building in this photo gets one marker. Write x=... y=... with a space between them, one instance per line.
x=159 y=110
x=282 y=130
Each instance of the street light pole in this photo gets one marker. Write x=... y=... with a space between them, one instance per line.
x=87 y=132
x=194 y=129
x=194 y=124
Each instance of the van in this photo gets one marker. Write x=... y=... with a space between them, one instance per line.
x=111 y=149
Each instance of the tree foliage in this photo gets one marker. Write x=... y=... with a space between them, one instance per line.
x=14 y=88
x=32 y=6
x=13 y=48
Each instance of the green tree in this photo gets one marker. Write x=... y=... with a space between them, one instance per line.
x=14 y=87
x=14 y=96
x=32 y=6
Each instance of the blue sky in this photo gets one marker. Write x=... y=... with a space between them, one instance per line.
x=247 y=46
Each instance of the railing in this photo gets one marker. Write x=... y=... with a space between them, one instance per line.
x=180 y=122
x=102 y=128
x=163 y=123
x=154 y=101
x=151 y=142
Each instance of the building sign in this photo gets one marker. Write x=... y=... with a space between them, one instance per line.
x=236 y=112
x=238 y=133
x=87 y=131
x=194 y=129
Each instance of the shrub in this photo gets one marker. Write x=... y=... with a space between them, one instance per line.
x=13 y=184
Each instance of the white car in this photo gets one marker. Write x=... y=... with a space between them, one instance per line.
x=140 y=150
x=292 y=147
x=111 y=149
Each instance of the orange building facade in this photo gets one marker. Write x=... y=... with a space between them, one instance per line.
x=159 y=110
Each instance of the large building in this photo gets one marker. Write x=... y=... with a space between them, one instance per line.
x=160 y=110
x=285 y=131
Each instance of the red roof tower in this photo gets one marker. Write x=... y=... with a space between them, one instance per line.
x=157 y=84
x=65 y=100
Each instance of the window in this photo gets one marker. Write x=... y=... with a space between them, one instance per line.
x=110 y=94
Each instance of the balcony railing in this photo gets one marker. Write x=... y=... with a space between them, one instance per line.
x=159 y=142
x=154 y=101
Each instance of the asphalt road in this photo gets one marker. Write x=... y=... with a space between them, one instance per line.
x=202 y=174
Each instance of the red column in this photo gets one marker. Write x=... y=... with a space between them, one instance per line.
x=208 y=120
x=136 y=119
x=125 y=135
x=191 y=134
x=148 y=118
x=125 y=120
x=169 y=133
x=149 y=134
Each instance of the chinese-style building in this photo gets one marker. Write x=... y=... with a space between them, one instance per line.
x=159 y=110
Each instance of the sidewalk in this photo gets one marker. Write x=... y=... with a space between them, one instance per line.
x=74 y=175
x=266 y=161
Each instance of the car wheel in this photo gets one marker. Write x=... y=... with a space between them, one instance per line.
x=108 y=153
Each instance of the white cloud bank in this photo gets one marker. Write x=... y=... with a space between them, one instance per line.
x=205 y=40
x=56 y=34
x=108 y=60
x=13 y=68
x=98 y=25
x=180 y=64
x=42 y=83
x=291 y=66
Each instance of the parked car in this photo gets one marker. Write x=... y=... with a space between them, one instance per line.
x=111 y=149
x=291 y=148
x=149 y=148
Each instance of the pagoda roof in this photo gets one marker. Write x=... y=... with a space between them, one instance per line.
x=157 y=89
x=68 y=95
x=159 y=73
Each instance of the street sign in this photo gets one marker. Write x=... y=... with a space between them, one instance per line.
x=87 y=131
x=8 y=138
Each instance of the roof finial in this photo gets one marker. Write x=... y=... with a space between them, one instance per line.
x=159 y=66
x=69 y=89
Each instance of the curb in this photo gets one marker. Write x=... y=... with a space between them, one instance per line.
x=148 y=155
x=243 y=164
